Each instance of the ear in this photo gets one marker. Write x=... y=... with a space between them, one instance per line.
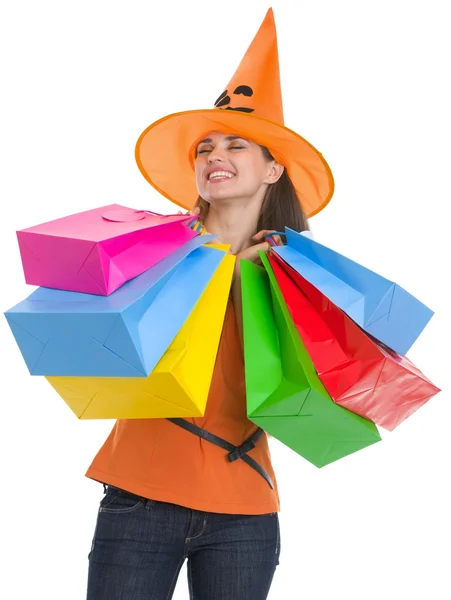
x=275 y=171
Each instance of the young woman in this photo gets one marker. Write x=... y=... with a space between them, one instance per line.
x=190 y=502
x=203 y=489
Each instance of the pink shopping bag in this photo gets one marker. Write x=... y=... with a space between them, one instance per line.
x=97 y=251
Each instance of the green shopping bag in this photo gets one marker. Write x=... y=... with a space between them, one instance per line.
x=285 y=396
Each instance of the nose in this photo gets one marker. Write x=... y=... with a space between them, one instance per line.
x=216 y=155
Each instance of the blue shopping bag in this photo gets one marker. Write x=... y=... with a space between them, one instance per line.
x=379 y=306
x=121 y=335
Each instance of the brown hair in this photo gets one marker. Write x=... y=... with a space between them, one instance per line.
x=281 y=206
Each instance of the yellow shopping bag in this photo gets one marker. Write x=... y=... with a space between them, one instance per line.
x=179 y=384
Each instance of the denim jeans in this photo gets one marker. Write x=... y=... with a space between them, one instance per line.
x=140 y=545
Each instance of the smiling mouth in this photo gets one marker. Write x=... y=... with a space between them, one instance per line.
x=220 y=176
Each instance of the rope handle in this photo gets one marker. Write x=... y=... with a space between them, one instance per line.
x=129 y=215
x=272 y=242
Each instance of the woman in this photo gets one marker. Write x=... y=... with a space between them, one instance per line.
x=171 y=492
x=239 y=199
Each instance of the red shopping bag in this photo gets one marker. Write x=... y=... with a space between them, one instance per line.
x=359 y=373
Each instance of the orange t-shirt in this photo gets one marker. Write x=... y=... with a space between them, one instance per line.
x=157 y=459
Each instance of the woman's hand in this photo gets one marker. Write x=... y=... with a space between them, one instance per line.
x=251 y=253
x=195 y=212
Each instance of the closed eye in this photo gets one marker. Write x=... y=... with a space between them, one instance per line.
x=205 y=150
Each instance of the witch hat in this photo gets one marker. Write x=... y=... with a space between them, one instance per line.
x=250 y=106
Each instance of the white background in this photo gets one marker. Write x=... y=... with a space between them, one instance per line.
x=368 y=84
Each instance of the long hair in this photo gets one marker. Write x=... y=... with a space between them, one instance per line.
x=281 y=205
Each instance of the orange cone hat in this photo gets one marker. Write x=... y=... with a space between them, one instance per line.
x=250 y=106
x=255 y=87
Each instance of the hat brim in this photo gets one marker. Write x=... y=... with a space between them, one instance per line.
x=164 y=154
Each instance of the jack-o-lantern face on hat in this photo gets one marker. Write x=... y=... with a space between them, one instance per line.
x=255 y=85
x=224 y=99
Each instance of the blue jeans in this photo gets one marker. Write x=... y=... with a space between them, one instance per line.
x=140 y=545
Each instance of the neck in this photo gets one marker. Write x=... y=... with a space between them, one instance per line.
x=234 y=222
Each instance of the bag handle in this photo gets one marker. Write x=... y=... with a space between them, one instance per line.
x=272 y=242
x=129 y=215
x=197 y=226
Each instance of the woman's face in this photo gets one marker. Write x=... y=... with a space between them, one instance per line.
x=228 y=166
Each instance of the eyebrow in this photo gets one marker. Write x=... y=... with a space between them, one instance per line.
x=229 y=138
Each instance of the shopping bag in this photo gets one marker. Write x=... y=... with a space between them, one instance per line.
x=381 y=307
x=359 y=373
x=121 y=335
x=97 y=251
x=285 y=396
x=179 y=384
